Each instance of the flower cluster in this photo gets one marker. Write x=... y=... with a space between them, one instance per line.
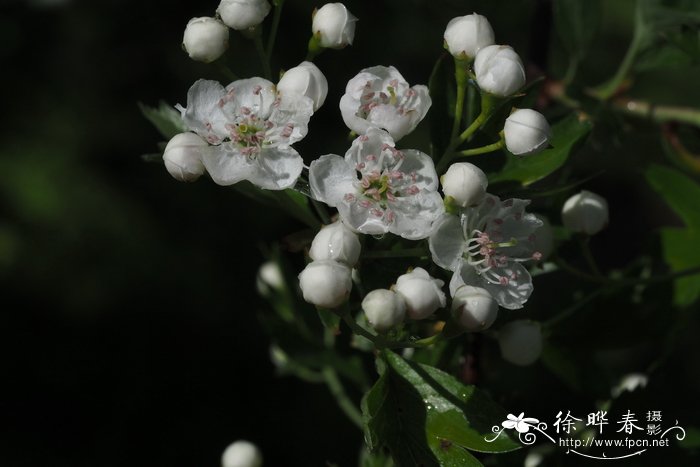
x=247 y=129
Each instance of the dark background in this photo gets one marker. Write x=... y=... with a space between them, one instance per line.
x=128 y=330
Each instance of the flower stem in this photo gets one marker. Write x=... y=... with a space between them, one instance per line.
x=462 y=80
x=264 y=61
x=484 y=149
x=588 y=255
x=336 y=387
x=275 y=26
x=449 y=152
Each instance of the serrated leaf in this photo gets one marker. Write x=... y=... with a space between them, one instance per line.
x=679 y=191
x=427 y=417
x=576 y=22
x=529 y=169
x=165 y=118
x=681 y=252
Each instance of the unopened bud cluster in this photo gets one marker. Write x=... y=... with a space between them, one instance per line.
x=416 y=294
x=206 y=39
x=500 y=73
x=327 y=281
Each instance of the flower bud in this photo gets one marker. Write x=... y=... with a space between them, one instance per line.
x=241 y=454
x=466 y=35
x=474 y=308
x=526 y=132
x=205 y=39
x=325 y=283
x=465 y=183
x=243 y=14
x=270 y=278
x=306 y=80
x=422 y=293
x=499 y=70
x=384 y=309
x=334 y=25
x=336 y=242
x=521 y=342
x=585 y=212
x=183 y=157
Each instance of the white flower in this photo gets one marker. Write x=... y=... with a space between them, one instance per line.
x=396 y=191
x=243 y=14
x=466 y=35
x=380 y=97
x=205 y=39
x=520 y=342
x=334 y=25
x=465 y=183
x=251 y=131
x=306 y=80
x=499 y=70
x=485 y=247
x=474 y=308
x=326 y=283
x=336 y=242
x=183 y=157
x=241 y=454
x=384 y=309
x=520 y=423
x=423 y=294
x=526 y=132
x=585 y=212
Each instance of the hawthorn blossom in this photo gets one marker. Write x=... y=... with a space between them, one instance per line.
x=380 y=97
x=250 y=129
x=379 y=189
x=485 y=247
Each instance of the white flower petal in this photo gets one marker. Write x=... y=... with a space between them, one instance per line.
x=422 y=165
x=415 y=216
x=331 y=178
x=255 y=94
x=361 y=219
x=348 y=110
x=203 y=114
x=513 y=294
x=277 y=168
x=447 y=242
x=226 y=164
x=388 y=118
x=293 y=112
x=370 y=144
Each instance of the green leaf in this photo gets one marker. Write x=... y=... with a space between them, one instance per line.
x=679 y=191
x=681 y=252
x=426 y=417
x=290 y=201
x=165 y=118
x=576 y=22
x=529 y=169
x=442 y=107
